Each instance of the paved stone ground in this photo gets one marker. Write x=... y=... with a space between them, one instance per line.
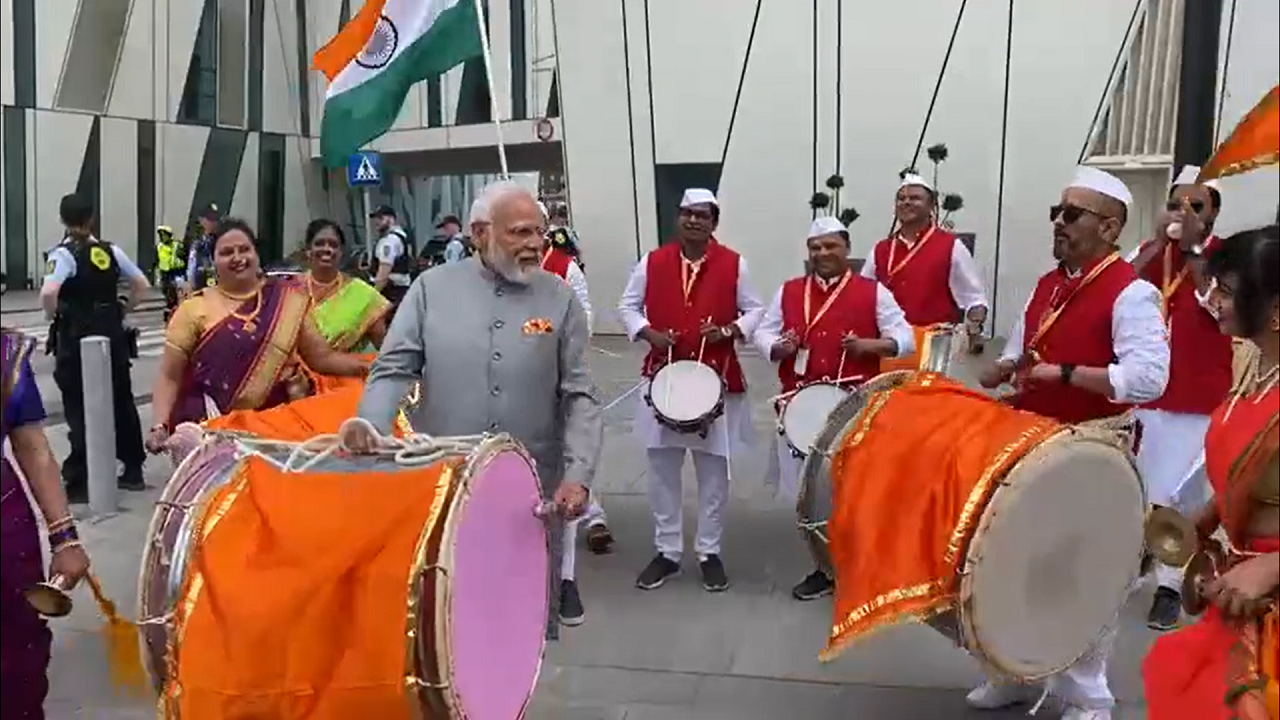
x=674 y=654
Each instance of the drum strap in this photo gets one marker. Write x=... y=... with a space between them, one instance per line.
x=893 y=248
x=1051 y=317
x=809 y=318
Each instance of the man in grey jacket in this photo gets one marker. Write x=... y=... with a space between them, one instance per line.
x=499 y=346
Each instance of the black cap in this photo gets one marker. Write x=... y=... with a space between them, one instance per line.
x=210 y=213
x=383 y=211
x=446 y=219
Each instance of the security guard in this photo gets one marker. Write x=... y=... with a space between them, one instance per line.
x=200 y=272
x=392 y=254
x=82 y=292
x=171 y=266
x=562 y=236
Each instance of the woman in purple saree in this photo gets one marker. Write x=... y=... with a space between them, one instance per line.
x=235 y=346
x=25 y=640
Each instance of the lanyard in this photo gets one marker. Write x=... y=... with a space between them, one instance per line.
x=893 y=248
x=689 y=270
x=1048 y=320
x=809 y=319
x=1169 y=287
x=545 y=254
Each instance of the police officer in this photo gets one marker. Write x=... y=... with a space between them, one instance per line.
x=391 y=276
x=82 y=292
x=200 y=272
x=561 y=235
x=171 y=264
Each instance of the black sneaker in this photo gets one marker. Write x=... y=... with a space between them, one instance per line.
x=599 y=539
x=1166 y=610
x=132 y=480
x=571 y=611
x=814 y=586
x=657 y=572
x=714 y=578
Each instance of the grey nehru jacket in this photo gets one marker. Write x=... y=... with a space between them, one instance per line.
x=470 y=337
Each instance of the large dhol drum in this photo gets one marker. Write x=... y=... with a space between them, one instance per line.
x=346 y=586
x=813 y=507
x=1015 y=535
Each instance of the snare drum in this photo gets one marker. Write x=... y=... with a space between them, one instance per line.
x=686 y=396
x=813 y=507
x=358 y=587
x=1016 y=535
x=805 y=413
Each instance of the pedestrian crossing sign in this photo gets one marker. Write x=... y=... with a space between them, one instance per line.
x=364 y=169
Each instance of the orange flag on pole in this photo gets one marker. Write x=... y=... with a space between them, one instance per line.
x=1254 y=143
x=350 y=40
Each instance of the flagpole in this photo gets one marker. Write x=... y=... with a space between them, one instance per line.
x=494 y=108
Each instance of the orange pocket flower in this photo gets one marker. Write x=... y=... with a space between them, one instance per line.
x=538 y=326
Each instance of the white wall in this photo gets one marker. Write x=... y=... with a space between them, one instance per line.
x=1252 y=69
x=892 y=54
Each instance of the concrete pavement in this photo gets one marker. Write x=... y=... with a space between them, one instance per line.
x=677 y=653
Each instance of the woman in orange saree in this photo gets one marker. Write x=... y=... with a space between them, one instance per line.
x=1224 y=666
x=235 y=346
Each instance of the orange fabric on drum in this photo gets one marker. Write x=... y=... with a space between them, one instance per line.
x=296 y=602
x=910 y=362
x=909 y=486
x=296 y=421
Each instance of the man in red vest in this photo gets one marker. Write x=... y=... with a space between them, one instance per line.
x=827 y=326
x=691 y=300
x=1091 y=343
x=928 y=270
x=1170 y=457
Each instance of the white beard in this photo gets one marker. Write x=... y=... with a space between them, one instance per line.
x=506 y=267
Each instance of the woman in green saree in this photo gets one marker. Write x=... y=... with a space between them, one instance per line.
x=349 y=312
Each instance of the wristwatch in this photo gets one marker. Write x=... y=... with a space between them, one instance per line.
x=1194 y=251
x=1067 y=370
x=726 y=332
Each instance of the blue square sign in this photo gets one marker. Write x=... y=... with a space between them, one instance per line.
x=364 y=168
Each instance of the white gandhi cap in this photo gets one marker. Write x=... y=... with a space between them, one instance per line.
x=1188 y=176
x=827 y=225
x=1101 y=182
x=698 y=196
x=914 y=180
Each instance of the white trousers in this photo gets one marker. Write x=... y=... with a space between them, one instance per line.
x=666 y=500
x=569 y=558
x=1171 y=463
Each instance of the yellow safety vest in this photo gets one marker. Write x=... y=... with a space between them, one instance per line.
x=168 y=259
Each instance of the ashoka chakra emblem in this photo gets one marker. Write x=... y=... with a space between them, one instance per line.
x=381 y=46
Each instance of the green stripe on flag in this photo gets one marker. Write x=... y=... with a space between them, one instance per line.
x=365 y=112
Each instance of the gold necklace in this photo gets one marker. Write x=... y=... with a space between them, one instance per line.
x=1262 y=386
x=249 y=321
x=326 y=288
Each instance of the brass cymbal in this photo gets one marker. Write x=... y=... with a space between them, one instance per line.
x=1171 y=537
x=49 y=598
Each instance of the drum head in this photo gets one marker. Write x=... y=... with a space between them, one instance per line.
x=170 y=540
x=805 y=414
x=1053 y=557
x=814 y=505
x=685 y=391
x=490 y=627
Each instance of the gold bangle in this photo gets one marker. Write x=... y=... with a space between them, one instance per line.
x=60 y=524
x=66 y=545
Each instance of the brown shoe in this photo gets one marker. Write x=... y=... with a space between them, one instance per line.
x=599 y=540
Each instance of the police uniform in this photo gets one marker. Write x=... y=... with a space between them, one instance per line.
x=200 y=272
x=171 y=266
x=392 y=250
x=89 y=272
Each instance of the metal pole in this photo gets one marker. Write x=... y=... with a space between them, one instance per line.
x=368 y=229
x=99 y=424
x=1201 y=28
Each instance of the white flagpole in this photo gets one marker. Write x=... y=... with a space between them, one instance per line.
x=494 y=108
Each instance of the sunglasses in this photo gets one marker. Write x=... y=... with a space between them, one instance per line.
x=1176 y=206
x=1071 y=213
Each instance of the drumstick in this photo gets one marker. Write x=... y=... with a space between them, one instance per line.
x=666 y=394
x=840 y=367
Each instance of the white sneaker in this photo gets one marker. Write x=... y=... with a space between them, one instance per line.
x=997 y=696
x=1079 y=713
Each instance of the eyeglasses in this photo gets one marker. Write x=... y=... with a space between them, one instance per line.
x=1175 y=206
x=1071 y=213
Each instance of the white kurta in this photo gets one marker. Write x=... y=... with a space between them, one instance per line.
x=732 y=432
x=783 y=476
x=964 y=280
x=1140 y=340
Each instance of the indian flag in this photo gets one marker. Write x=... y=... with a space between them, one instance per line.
x=379 y=55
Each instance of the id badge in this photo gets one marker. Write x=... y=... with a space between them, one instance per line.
x=802 y=361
